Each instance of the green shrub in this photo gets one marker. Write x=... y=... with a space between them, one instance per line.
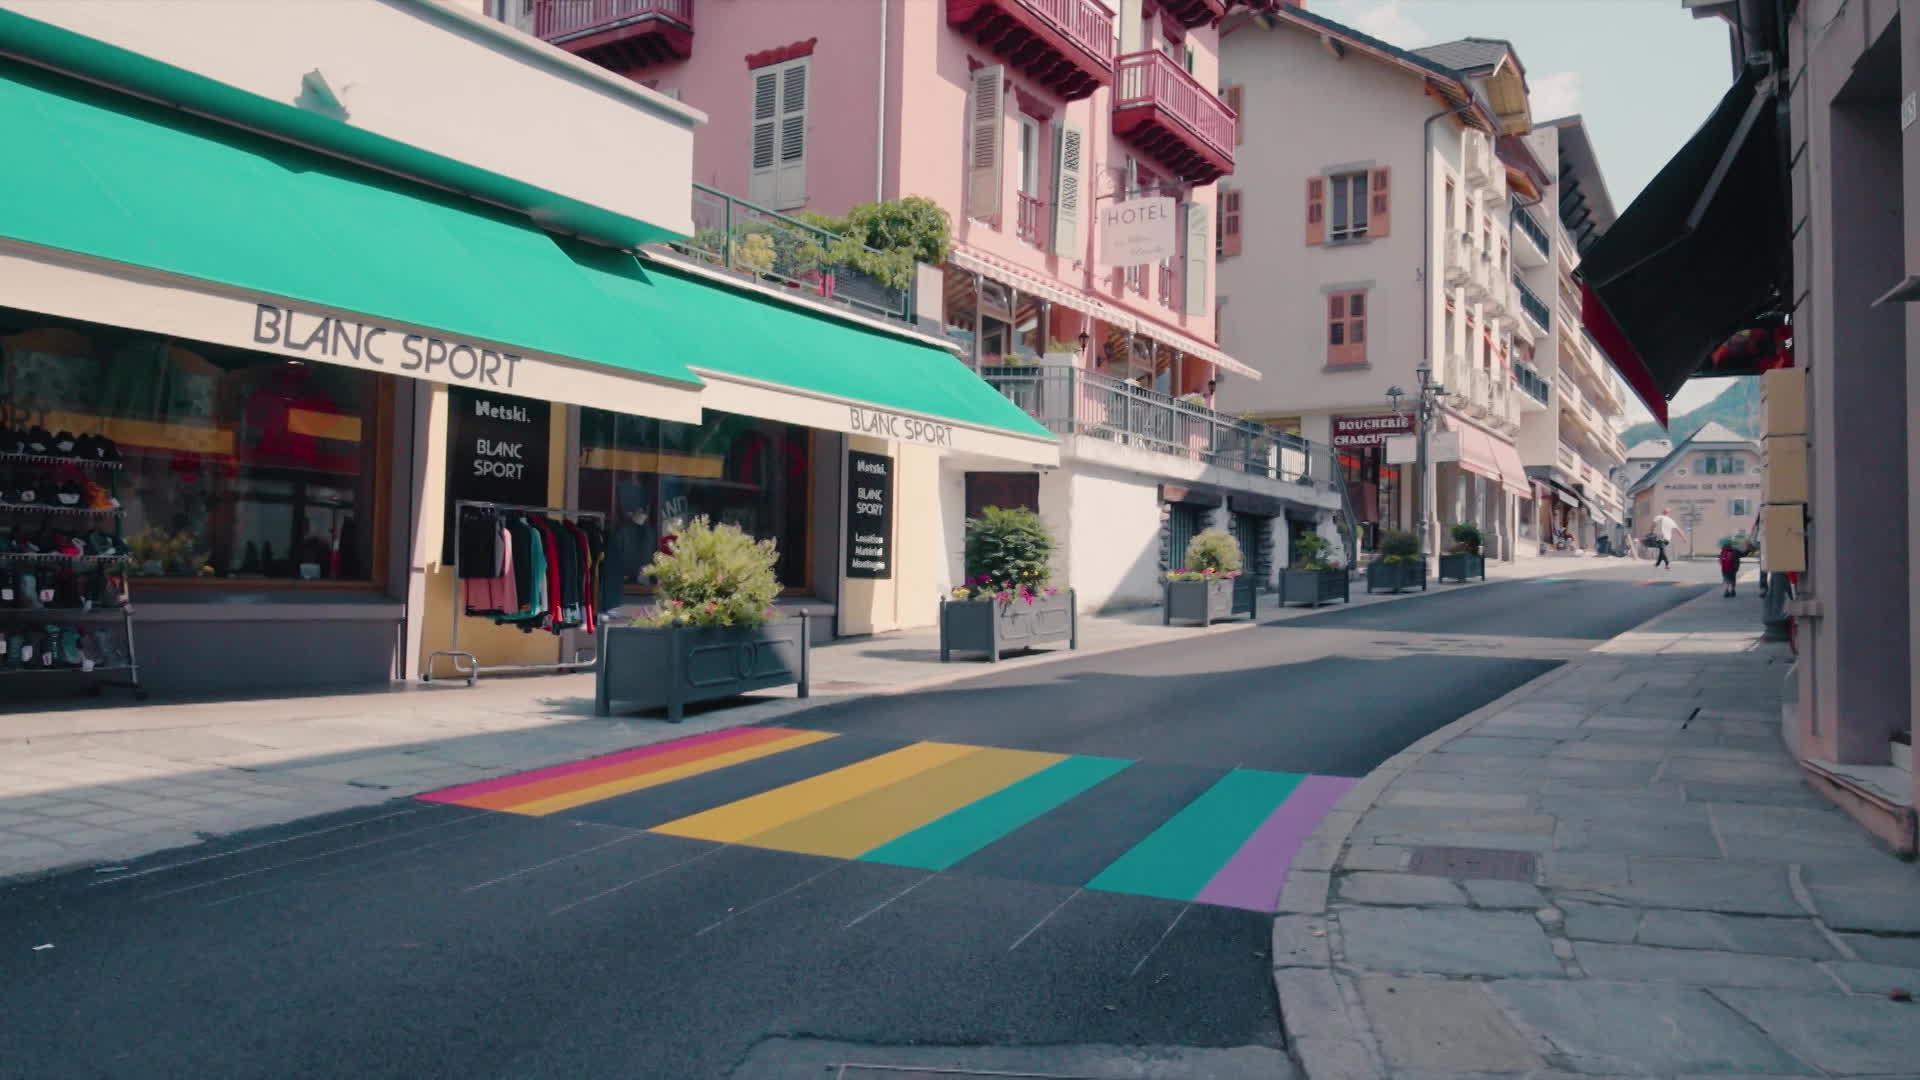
x=713 y=575
x=1399 y=547
x=1213 y=551
x=1467 y=538
x=1310 y=553
x=1008 y=551
x=900 y=233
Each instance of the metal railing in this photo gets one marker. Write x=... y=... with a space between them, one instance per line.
x=562 y=18
x=1070 y=401
x=1153 y=78
x=1032 y=218
x=1531 y=303
x=1530 y=226
x=1529 y=381
x=747 y=239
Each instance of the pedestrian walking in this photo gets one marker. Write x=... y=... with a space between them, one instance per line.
x=1664 y=530
x=1729 y=565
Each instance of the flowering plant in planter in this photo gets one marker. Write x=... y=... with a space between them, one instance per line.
x=1009 y=557
x=984 y=588
x=1399 y=547
x=1212 y=553
x=1467 y=539
x=712 y=575
x=1311 y=551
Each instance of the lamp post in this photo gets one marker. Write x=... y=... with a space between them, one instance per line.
x=1423 y=408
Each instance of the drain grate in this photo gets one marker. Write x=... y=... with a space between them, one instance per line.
x=1478 y=864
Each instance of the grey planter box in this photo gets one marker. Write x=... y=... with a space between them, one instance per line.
x=1460 y=567
x=992 y=627
x=671 y=667
x=1315 y=587
x=1205 y=601
x=1397 y=577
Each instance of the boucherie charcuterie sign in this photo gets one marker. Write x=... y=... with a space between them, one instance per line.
x=1370 y=430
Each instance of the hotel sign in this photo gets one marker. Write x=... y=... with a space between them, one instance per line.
x=1357 y=431
x=1137 y=231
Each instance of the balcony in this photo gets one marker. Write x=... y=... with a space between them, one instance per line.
x=1071 y=401
x=1479 y=275
x=1460 y=259
x=1169 y=116
x=1065 y=45
x=1192 y=13
x=1533 y=250
x=1569 y=460
x=1531 y=305
x=617 y=34
x=1533 y=388
x=754 y=242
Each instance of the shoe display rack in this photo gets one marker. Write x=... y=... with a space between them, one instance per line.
x=65 y=607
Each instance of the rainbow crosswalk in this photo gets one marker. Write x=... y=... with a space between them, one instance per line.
x=1226 y=839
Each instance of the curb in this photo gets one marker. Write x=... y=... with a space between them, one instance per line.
x=1322 y=1021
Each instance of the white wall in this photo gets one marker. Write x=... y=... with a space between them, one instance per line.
x=1274 y=316
x=432 y=76
x=1115 y=537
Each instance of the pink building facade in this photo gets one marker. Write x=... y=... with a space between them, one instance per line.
x=1025 y=120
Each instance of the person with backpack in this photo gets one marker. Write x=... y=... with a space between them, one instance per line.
x=1729 y=565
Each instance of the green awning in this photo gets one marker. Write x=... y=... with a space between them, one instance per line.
x=784 y=361
x=96 y=173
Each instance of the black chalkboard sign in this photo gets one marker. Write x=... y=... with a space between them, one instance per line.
x=496 y=451
x=869 y=515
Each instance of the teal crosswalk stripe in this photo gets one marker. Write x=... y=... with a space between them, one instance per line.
x=939 y=844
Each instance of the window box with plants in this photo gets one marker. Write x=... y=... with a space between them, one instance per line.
x=1210 y=585
x=1315 y=577
x=713 y=632
x=1400 y=566
x=1464 y=559
x=1007 y=602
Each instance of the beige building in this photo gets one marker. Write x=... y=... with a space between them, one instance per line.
x=1710 y=484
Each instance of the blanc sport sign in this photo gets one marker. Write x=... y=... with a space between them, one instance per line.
x=345 y=341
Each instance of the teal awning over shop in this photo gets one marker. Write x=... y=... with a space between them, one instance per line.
x=100 y=174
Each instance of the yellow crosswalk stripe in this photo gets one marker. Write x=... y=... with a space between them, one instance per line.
x=737 y=822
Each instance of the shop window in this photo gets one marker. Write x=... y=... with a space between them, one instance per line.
x=236 y=466
x=1183 y=524
x=1009 y=491
x=647 y=474
x=1739 y=508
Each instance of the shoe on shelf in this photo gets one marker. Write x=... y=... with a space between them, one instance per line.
x=39 y=441
x=27 y=494
x=68 y=494
x=65 y=443
x=12 y=442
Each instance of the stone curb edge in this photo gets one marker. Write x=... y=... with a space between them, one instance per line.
x=1321 y=1018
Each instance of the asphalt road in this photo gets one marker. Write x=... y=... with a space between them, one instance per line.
x=1066 y=887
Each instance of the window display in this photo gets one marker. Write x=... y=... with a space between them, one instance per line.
x=646 y=474
x=233 y=466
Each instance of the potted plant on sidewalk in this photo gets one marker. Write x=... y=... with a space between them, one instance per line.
x=1210 y=586
x=1400 y=565
x=1464 y=559
x=1314 y=578
x=1006 y=602
x=712 y=633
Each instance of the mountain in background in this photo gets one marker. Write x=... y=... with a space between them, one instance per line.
x=1738 y=407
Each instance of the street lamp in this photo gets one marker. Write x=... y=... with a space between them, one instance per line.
x=1423 y=410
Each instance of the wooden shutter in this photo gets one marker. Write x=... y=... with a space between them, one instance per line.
x=986 y=130
x=766 y=135
x=1199 y=258
x=1357 y=328
x=790 y=185
x=1316 y=210
x=1380 y=203
x=1346 y=328
x=1229 y=223
x=1068 y=167
x=1234 y=97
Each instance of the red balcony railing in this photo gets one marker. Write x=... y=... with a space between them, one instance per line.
x=1033 y=220
x=1165 y=110
x=620 y=32
x=1066 y=45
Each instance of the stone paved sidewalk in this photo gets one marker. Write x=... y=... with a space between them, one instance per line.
x=1658 y=894
x=89 y=784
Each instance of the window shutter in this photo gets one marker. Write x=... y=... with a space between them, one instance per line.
x=1316 y=210
x=790 y=185
x=1229 y=222
x=1199 y=258
x=1380 y=206
x=766 y=123
x=1235 y=96
x=1067 y=170
x=986 y=122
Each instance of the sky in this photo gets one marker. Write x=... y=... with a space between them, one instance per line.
x=1643 y=74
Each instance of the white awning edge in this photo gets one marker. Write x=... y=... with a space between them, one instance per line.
x=1028 y=282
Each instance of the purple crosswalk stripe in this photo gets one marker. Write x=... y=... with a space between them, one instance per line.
x=1253 y=877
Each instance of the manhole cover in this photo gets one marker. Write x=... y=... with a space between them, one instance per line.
x=1480 y=864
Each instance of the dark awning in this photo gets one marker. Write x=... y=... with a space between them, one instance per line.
x=1704 y=251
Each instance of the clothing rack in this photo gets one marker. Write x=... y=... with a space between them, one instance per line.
x=472 y=669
